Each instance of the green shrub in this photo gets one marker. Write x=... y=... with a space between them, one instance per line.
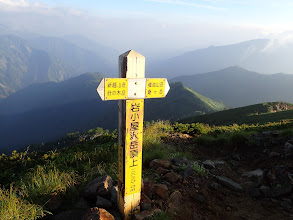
x=15 y=207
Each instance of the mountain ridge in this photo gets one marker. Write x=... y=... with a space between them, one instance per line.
x=236 y=86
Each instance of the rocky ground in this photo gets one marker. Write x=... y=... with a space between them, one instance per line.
x=222 y=183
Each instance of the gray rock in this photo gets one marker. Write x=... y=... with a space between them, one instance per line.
x=162 y=171
x=288 y=148
x=99 y=186
x=114 y=194
x=219 y=162
x=208 y=164
x=172 y=177
x=156 y=163
x=274 y=155
x=181 y=161
x=229 y=183
x=214 y=186
x=103 y=203
x=161 y=190
x=189 y=172
x=287 y=204
x=281 y=191
x=266 y=191
x=146 y=206
x=256 y=173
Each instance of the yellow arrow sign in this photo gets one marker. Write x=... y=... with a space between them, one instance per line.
x=125 y=88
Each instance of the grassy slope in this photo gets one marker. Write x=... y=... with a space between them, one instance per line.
x=253 y=114
x=180 y=102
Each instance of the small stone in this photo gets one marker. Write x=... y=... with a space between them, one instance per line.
x=148 y=189
x=288 y=148
x=287 y=204
x=281 y=191
x=229 y=183
x=219 y=162
x=147 y=214
x=189 y=172
x=103 y=203
x=99 y=186
x=229 y=209
x=175 y=167
x=161 y=190
x=175 y=198
x=158 y=203
x=208 y=164
x=214 y=186
x=98 y=213
x=144 y=199
x=256 y=173
x=114 y=194
x=146 y=206
x=180 y=161
x=255 y=192
x=266 y=191
x=156 y=163
x=162 y=171
x=172 y=177
x=274 y=155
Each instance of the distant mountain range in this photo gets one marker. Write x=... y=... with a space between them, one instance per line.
x=46 y=111
x=235 y=86
x=261 y=55
x=22 y=65
x=43 y=59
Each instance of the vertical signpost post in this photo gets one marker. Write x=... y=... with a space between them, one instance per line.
x=131 y=89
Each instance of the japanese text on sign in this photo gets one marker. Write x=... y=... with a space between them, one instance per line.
x=116 y=88
x=133 y=145
x=155 y=88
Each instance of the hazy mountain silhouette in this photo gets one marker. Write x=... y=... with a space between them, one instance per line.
x=22 y=65
x=261 y=55
x=235 y=86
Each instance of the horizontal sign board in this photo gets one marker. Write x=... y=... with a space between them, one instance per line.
x=127 y=88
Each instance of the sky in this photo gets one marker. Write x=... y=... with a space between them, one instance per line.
x=153 y=27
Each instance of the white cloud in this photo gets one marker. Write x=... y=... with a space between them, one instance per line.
x=187 y=3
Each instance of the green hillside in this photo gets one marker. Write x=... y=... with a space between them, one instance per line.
x=253 y=114
x=180 y=102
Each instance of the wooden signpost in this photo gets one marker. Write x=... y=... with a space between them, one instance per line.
x=131 y=89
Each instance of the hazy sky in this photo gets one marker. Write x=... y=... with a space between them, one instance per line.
x=152 y=27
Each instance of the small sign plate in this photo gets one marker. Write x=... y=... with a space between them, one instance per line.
x=116 y=88
x=155 y=88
